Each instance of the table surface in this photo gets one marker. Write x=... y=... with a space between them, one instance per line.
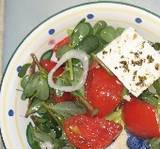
x=21 y=16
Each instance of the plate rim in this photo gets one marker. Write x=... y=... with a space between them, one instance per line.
x=53 y=15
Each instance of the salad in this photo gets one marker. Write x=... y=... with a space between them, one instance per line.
x=75 y=102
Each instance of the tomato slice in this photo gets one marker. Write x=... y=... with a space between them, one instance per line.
x=48 y=65
x=141 y=119
x=65 y=97
x=91 y=132
x=103 y=90
x=61 y=43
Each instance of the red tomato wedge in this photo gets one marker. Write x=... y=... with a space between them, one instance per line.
x=65 y=97
x=141 y=119
x=91 y=132
x=61 y=43
x=48 y=65
x=103 y=90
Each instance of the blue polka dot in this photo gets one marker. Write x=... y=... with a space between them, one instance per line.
x=19 y=68
x=138 y=20
x=90 y=16
x=10 y=112
x=51 y=31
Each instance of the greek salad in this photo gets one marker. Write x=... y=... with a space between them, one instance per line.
x=104 y=81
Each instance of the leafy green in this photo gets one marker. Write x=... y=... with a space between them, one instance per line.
x=68 y=109
x=99 y=26
x=156 y=46
x=89 y=44
x=46 y=123
x=156 y=85
x=47 y=55
x=47 y=130
x=33 y=107
x=37 y=86
x=60 y=52
x=30 y=137
x=108 y=34
x=150 y=98
x=116 y=116
x=23 y=70
x=82 y=100
x=119 y=31
x=125 y=92
x=65 y=78
x=155 y=143
x=41 y=136
x=82 y=30
x=24 y=81
x=68 y=147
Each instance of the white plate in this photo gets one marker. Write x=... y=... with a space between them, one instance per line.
x=12 y=109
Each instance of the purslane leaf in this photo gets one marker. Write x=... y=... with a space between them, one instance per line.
x=37 y=86
x=67 y=109
x=30 y=137
x=23 y=70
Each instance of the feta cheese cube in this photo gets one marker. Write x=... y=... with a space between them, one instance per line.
x=133 y=60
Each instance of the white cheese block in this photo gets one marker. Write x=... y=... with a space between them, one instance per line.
x=133 y=60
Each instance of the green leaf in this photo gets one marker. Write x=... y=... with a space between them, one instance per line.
x=156 y=46
x=41 y=136
x=108 y=34
x=82 y=30
x=24 y=81
x=59 y=143
x=69 y=32
x=23 y=97
x=42 y=89
x=99 y=26
x=68 y=147
x=23 y=70
x=150 y=98
x=30 y=137
x=30 y=88
x=89 y=44
x=47 y=55
x=116 y=116
x=156 y=85
x=119 y=31
x=125 y=92
x=67 y=109
x=65 y=78
x=34 y=107
x=47 y=124
x=154 y=143
x=60 y=52
x=37 y=86
x=101 y=45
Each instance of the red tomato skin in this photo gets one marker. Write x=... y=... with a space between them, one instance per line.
x=48 y=65
x=91 y=132
x=65 y=97
x=140 y=118
x=103 y=90
x=61 y=43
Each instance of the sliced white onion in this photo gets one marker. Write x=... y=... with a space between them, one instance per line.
x=77 y=54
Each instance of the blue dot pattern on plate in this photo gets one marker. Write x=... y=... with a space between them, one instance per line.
x=51 y=31
x=90 y=16
x=19 y=68
x=10 y=112
x=134 y=142
x=138 y=20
